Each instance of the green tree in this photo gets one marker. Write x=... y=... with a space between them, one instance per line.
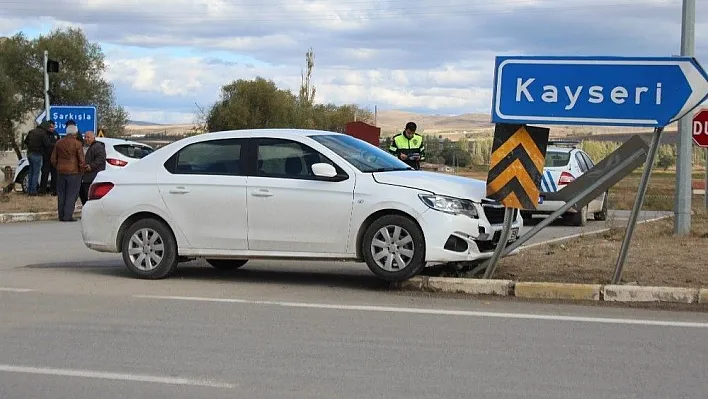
x=9 y=112
x=78 y=82
x=16 y=99
x=456 y=156
x=251 y=104
x=80 y=79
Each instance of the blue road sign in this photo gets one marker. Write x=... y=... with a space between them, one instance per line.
x=84 y=116
x=611 y=91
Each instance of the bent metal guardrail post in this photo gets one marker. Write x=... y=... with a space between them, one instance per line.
x=581 y=191
x=492 y=265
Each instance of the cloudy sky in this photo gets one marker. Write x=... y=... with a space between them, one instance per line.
x=429 y=56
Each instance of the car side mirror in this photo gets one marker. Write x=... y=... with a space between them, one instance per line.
x=324 y=170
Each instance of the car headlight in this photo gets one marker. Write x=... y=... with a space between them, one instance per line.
x=451 y=205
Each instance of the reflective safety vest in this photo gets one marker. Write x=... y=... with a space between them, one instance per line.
x=402 y=144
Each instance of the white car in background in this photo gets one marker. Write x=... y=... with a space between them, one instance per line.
x=119 y=153
x=231 y=196
x=565 y=163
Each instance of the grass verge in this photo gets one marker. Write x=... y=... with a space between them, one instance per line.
x=20 y=203
x=656 y=257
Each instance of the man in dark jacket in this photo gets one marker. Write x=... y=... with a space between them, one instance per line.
x=47 y=168
x=95 y=162
x=37 y=143
x=68 y=158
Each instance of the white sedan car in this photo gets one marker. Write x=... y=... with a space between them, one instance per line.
x=564 y=163
x=119 y=153
x=232 y=196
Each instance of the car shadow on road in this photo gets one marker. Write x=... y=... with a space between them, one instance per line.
x=344 y=275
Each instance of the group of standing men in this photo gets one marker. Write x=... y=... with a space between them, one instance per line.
x=63 y=159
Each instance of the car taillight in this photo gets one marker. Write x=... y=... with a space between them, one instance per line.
x=99 y=190
x=116 y=162
x=565 y=178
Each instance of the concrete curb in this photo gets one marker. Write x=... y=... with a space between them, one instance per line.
x=587 y=292
x=559 y=291
x=32 y=217
x=634 y=293
x=703 y=296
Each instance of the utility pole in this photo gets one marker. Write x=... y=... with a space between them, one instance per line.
x=46 y=84
x=684 y=163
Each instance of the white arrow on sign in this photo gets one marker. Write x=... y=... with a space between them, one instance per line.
x=40 y=117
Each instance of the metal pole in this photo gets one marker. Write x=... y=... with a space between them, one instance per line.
x=508 y=220
x=638 y=202
x=46 y=85
x=684 y=163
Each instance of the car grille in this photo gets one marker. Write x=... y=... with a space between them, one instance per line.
x=494 y=212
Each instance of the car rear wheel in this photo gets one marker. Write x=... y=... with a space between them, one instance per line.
x=226 y=264
x=602 y=215
x=394 y=248
x=580 y=218
x=149 y=249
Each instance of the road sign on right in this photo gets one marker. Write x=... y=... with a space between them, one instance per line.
x=610 y=91
x=700 y=128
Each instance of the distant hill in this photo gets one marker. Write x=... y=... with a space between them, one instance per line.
x=391 y=121
x=452 y=126
x=143 y=123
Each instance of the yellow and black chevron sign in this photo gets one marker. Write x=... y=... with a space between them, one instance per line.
x=516 y=165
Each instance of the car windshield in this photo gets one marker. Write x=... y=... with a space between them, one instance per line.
x=555 y=159
x=133 y=150
x=362 y=155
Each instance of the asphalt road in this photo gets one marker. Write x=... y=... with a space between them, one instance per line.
x=74 y=324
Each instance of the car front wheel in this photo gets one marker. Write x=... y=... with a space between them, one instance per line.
x=149 y=249
x=394 y=248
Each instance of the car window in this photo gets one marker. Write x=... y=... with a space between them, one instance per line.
x=588 y=160
x=360 y=154
x=288 y=159
x=214 y=157
x=581 y=162
x=133 y=150
x=556 y=159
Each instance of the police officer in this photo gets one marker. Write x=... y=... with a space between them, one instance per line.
x=408 y=146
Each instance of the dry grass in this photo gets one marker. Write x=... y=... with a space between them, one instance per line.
x=20 y=203
x=656 y=258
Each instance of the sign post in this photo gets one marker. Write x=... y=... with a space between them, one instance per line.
x=700 y=137
x=610 y=91
x=514 y=178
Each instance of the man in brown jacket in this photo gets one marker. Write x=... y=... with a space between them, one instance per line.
x=68 y=159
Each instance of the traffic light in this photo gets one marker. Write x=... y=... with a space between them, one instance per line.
x=52 y=66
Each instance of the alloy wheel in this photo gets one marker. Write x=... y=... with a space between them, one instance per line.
x=392 y=248
x=146 y=249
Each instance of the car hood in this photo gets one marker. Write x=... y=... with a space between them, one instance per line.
x=438 y=183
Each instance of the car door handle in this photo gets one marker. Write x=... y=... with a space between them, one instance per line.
x=179 y=190
x=262 y=193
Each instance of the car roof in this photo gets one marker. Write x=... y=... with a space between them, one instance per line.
x=554 y=148
x=267 y=132
x=114 y=141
